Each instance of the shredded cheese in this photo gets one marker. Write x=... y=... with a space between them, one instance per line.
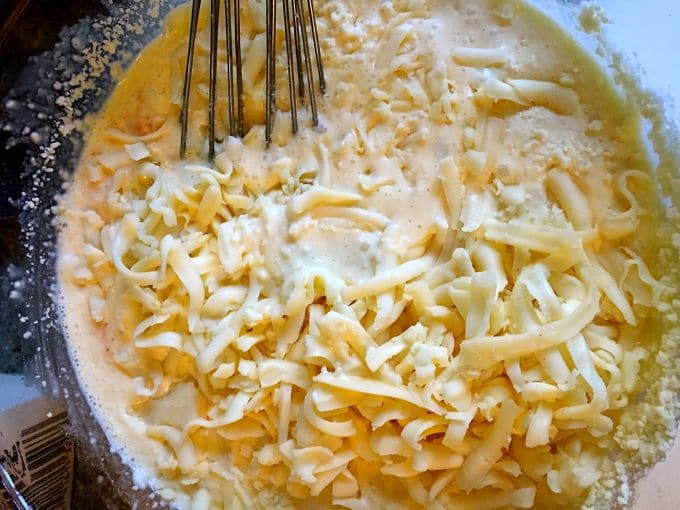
x=404 y=302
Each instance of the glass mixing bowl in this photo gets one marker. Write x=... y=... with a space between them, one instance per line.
x=643 y=35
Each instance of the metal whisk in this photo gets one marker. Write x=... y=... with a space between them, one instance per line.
x=299 y=23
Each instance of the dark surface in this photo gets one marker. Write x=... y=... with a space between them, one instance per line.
x=33 y=32
x=27 y=28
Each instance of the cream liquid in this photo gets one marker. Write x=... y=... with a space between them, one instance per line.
x=400 y=163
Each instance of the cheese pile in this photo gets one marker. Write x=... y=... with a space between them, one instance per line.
x=435 y=299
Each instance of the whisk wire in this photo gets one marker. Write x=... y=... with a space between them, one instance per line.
x=230 y=66
x=298 y=51
x=214 y=29
x=290 y=65
x=186 y=93
x=270 y=78
x=299 y=66
x=239 y=70
x=308 y=61
x=317 y=46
